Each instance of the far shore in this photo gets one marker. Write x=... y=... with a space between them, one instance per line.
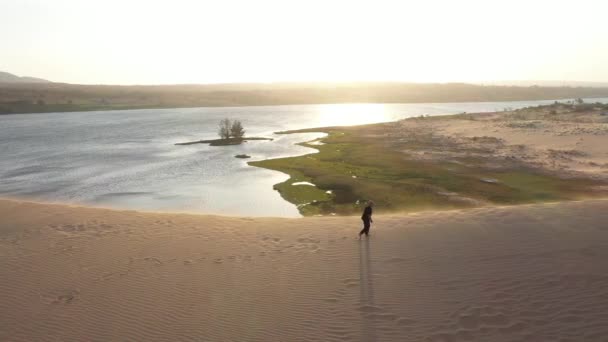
x=58 y=97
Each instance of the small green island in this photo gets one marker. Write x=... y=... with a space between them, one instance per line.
x=224 y=142
x=413 y=165
x=231 y=132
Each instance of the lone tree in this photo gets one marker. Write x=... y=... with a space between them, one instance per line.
x=236 y=130
x=224 y=129
x=231 y=129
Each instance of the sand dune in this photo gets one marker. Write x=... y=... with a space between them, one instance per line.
x=526 y=273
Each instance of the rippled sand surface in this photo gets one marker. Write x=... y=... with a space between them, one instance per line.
x=526 y=273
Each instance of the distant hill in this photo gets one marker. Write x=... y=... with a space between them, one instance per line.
x=546 y=83
x=6 y=77
x=63 y=97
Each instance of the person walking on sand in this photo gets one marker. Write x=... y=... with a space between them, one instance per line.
x=367 y=219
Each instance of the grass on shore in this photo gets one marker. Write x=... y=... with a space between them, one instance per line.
x=362 y=162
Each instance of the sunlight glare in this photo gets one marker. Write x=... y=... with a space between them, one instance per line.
x=350 y=114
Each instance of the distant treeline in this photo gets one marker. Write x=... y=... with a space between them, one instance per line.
x=58 y=97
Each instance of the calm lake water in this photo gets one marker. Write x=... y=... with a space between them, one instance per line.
x=127 y=159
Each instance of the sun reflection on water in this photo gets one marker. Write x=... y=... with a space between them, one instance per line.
x=350 y=114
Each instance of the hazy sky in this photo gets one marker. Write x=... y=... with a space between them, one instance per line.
x=181 y=41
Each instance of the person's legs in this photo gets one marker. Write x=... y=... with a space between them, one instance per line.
x=365 y=230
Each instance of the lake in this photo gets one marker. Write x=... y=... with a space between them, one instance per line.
x=127 y=159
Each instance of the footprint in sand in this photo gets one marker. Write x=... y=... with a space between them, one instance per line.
x=514 y=328
x=153 y=260
x=340 y=292
x=395 y=260
x=308 y=244
x=369 y=308
x=64 y=296
x=405 y=321
x=498 y=319
x=442 y=337
x=308 y=240
x=314 y=248
x=377 y=313
x=107 y=276
x=68 y=228
x=351 y=282
x=468 y=321
x=383 y=316
x=330 y=300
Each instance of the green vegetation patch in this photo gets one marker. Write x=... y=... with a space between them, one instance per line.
x=358 y=163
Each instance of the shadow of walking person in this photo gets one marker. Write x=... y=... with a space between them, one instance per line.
x=366 y=301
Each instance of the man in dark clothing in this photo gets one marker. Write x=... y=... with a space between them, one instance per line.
x=367 y=218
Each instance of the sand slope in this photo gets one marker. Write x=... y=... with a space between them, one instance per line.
x=527 y=273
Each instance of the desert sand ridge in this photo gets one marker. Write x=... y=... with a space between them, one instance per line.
x=524 y=273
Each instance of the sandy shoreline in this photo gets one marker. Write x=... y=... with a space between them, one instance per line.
x=525 y=273
x=564 y=142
